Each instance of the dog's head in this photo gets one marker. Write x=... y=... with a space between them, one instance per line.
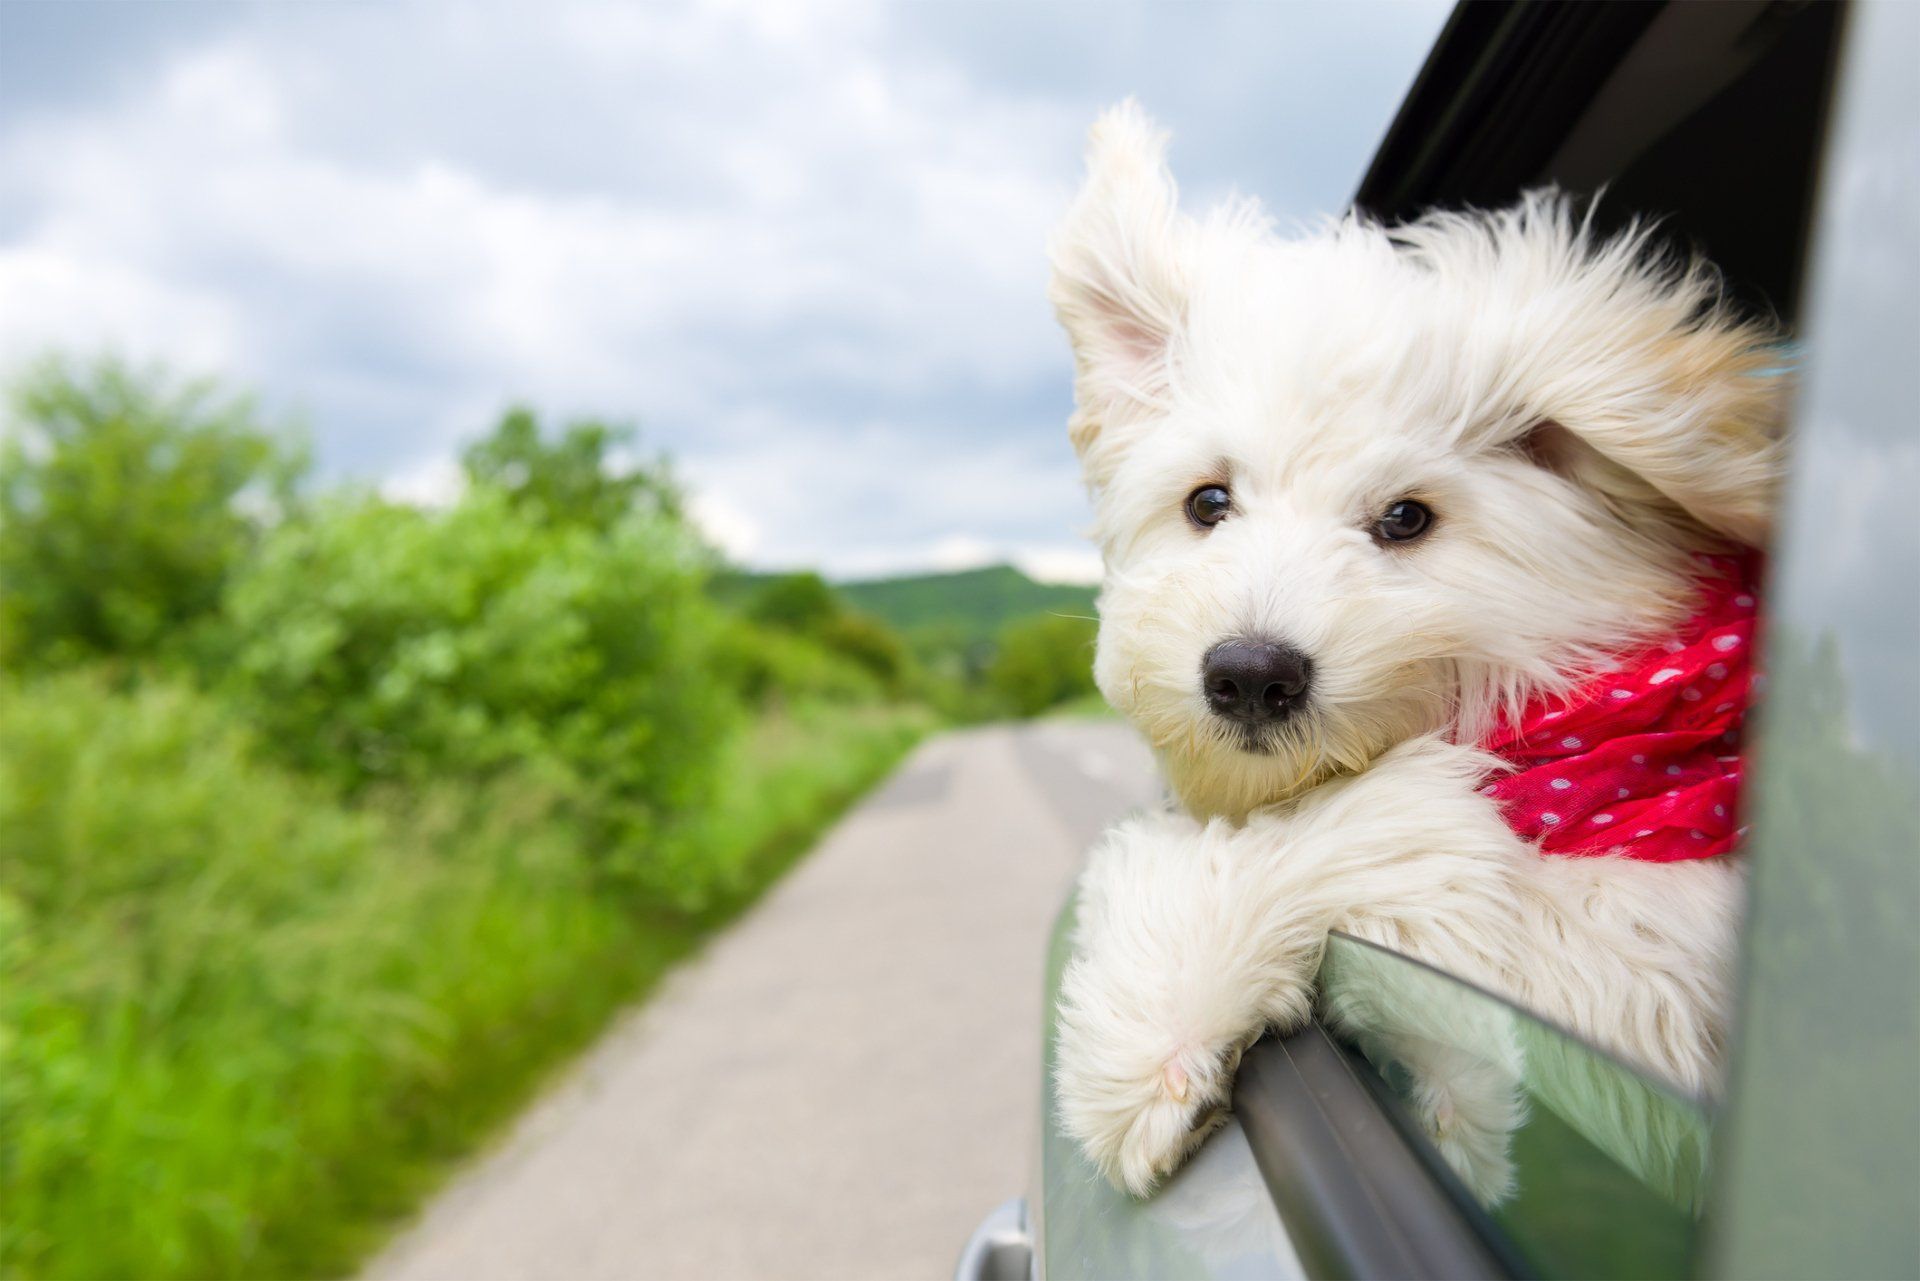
x=1372 y=483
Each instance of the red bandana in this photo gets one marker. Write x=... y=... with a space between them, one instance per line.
x=1643 y=761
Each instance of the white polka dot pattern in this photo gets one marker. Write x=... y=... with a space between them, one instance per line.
x=1640 y=758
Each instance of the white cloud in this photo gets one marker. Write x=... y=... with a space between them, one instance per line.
x=962 y=551
x=725 y=526
x=58 y=298
x=802 y=245
x=1060 y=564
x=433 y=483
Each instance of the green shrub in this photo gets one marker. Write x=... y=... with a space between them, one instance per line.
x=769 y=668
x=225 y=996
x=376 y=643
x=871 y=644
x=1042 y=662
x=794 y=602
x=580 y=478
x=804 y=606
x=125 y=504
x=240 y=1023
x=303 y=885
x=780 y=785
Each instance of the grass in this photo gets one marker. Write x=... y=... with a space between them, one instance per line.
x=787 y=781
x=243 y=1027
x=1086 y=707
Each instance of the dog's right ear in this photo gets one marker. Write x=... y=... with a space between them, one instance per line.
x=1119 y=284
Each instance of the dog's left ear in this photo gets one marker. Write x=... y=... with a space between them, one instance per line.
x=1701 y=430
x=1647 y=386
x=1119 y=284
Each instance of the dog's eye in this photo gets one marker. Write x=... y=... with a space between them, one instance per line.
x=1208 y=505
x=1403 y=522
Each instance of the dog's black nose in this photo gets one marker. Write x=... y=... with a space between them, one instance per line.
x=1255 y=681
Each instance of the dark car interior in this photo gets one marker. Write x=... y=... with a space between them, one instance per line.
x=1708 y=116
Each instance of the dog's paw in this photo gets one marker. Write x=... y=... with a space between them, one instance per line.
x=1470 y=1110
x=1138 y=1120
x=1184 y=953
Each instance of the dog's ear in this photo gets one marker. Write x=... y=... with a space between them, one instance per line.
x=1699 y=428
x=1646 y=385
x=1119 y=284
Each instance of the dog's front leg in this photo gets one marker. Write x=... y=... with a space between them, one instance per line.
x=1192 y=939
x=1195 y=938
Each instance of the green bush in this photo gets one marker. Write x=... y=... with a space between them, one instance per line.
x=871 y=644
x=225 y=995
x=794 y=603
x=241 y=1023
x=125 y=504
x=1043 y=662
x=804 y=605
x=580 y=478
x=769 y=668
x=377 y=643
x=308 y=813
x=780 y=785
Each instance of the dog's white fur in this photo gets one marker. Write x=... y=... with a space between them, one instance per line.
x=1581 y=416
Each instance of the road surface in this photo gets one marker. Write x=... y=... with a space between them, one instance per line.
x=842 y=1083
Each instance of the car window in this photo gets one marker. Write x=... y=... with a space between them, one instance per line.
x=1212 y=1218
x=1574 y=1164
x=1821 y=1161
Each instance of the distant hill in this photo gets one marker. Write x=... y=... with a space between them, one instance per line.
x=971 y=605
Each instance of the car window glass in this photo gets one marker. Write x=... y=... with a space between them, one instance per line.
x=1820 y=1170
x=1572 y=1162
x=1212 y=1218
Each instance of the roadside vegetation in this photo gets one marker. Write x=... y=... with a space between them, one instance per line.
x=329 y=824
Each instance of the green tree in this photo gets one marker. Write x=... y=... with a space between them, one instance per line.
x=126 y=502
x=804 y=604
x=1041 y=662
x=795 y=603
x=588 y=476
x=378 y=643
x=871 y=644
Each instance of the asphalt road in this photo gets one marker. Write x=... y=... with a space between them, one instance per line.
x=845 y=1081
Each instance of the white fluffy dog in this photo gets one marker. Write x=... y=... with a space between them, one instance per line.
x=1415 y=477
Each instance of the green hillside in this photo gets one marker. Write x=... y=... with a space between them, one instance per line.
x=972 y=605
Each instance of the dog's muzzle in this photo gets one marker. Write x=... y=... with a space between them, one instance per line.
x=1254 y=682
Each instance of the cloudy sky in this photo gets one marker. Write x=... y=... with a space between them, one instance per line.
x=801 y=245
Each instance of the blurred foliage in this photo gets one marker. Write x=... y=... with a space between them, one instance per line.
x=779 y=785
x=771 y=669
x=794 y=603
x=126 y=501
x=971 y=606
x=804 y=605
x=327 y=822
x=1043 y=662
x=871 y=644
x=590 y=476
x=977 y=645
x=243 y=1022
x=372 y=642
